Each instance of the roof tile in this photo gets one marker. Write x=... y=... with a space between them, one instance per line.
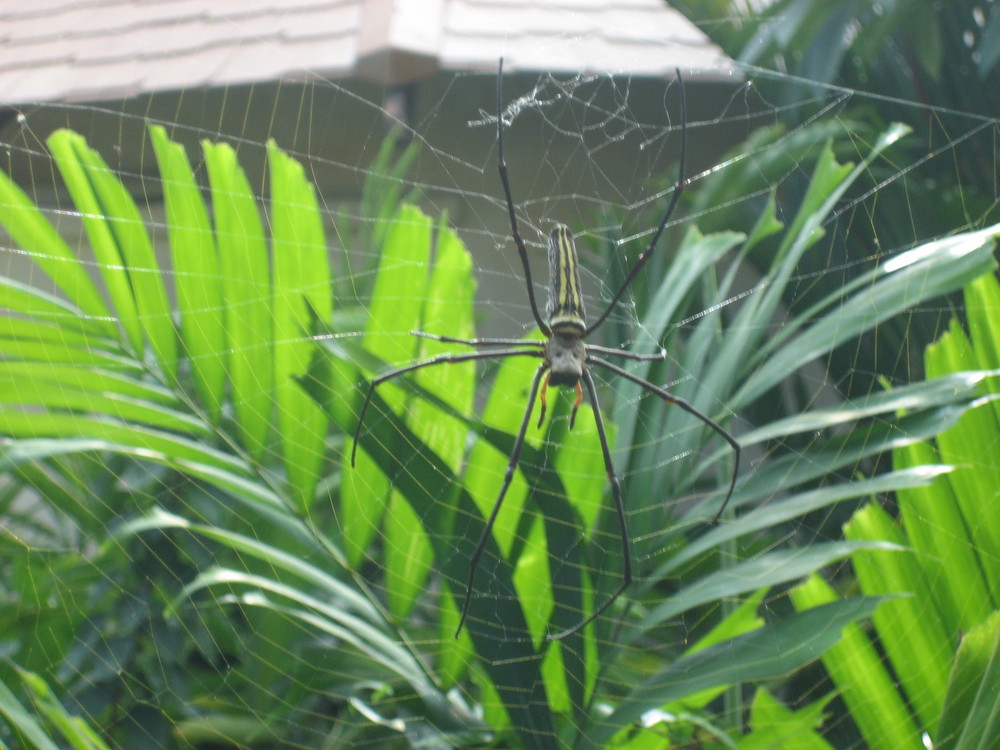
x=69 y=49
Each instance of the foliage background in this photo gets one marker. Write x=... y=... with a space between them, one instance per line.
x=207 y=573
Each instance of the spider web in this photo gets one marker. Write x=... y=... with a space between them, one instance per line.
x=128 y=593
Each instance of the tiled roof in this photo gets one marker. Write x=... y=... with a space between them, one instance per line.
x=637 y=37
x=101 y=49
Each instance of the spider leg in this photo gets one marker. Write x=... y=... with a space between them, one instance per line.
x=576 y=405
x=616 y=492
x=479 y=342
x=515 y=455
x=502 y=169
x=542 y=400
x=677 y=401
x=648 y=252
x=657 y=357
x=441 y=359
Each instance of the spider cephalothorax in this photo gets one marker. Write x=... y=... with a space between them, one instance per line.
x=565 y=358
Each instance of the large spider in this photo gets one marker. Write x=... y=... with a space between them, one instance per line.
x=565 y=359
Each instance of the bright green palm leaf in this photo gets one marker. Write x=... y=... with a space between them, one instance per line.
x=102 y=381
x=54 y=397
x=118 y=236
x=982 y=300
x=973 y=447
x=31 y=231
x=246 y=290
x=136 y=437
x=28 y=302
x=404 y=263
x=938 y=532
x=197 y=284
x=302 y=288
x=918 y=644
x=447 y=309
x=970 y=719
x=867 y=686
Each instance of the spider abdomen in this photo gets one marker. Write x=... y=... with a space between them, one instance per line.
x=564 y=308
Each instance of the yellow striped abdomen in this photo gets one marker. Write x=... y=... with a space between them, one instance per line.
x=564 y=309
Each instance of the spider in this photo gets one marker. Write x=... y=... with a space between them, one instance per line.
x=565 y=360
